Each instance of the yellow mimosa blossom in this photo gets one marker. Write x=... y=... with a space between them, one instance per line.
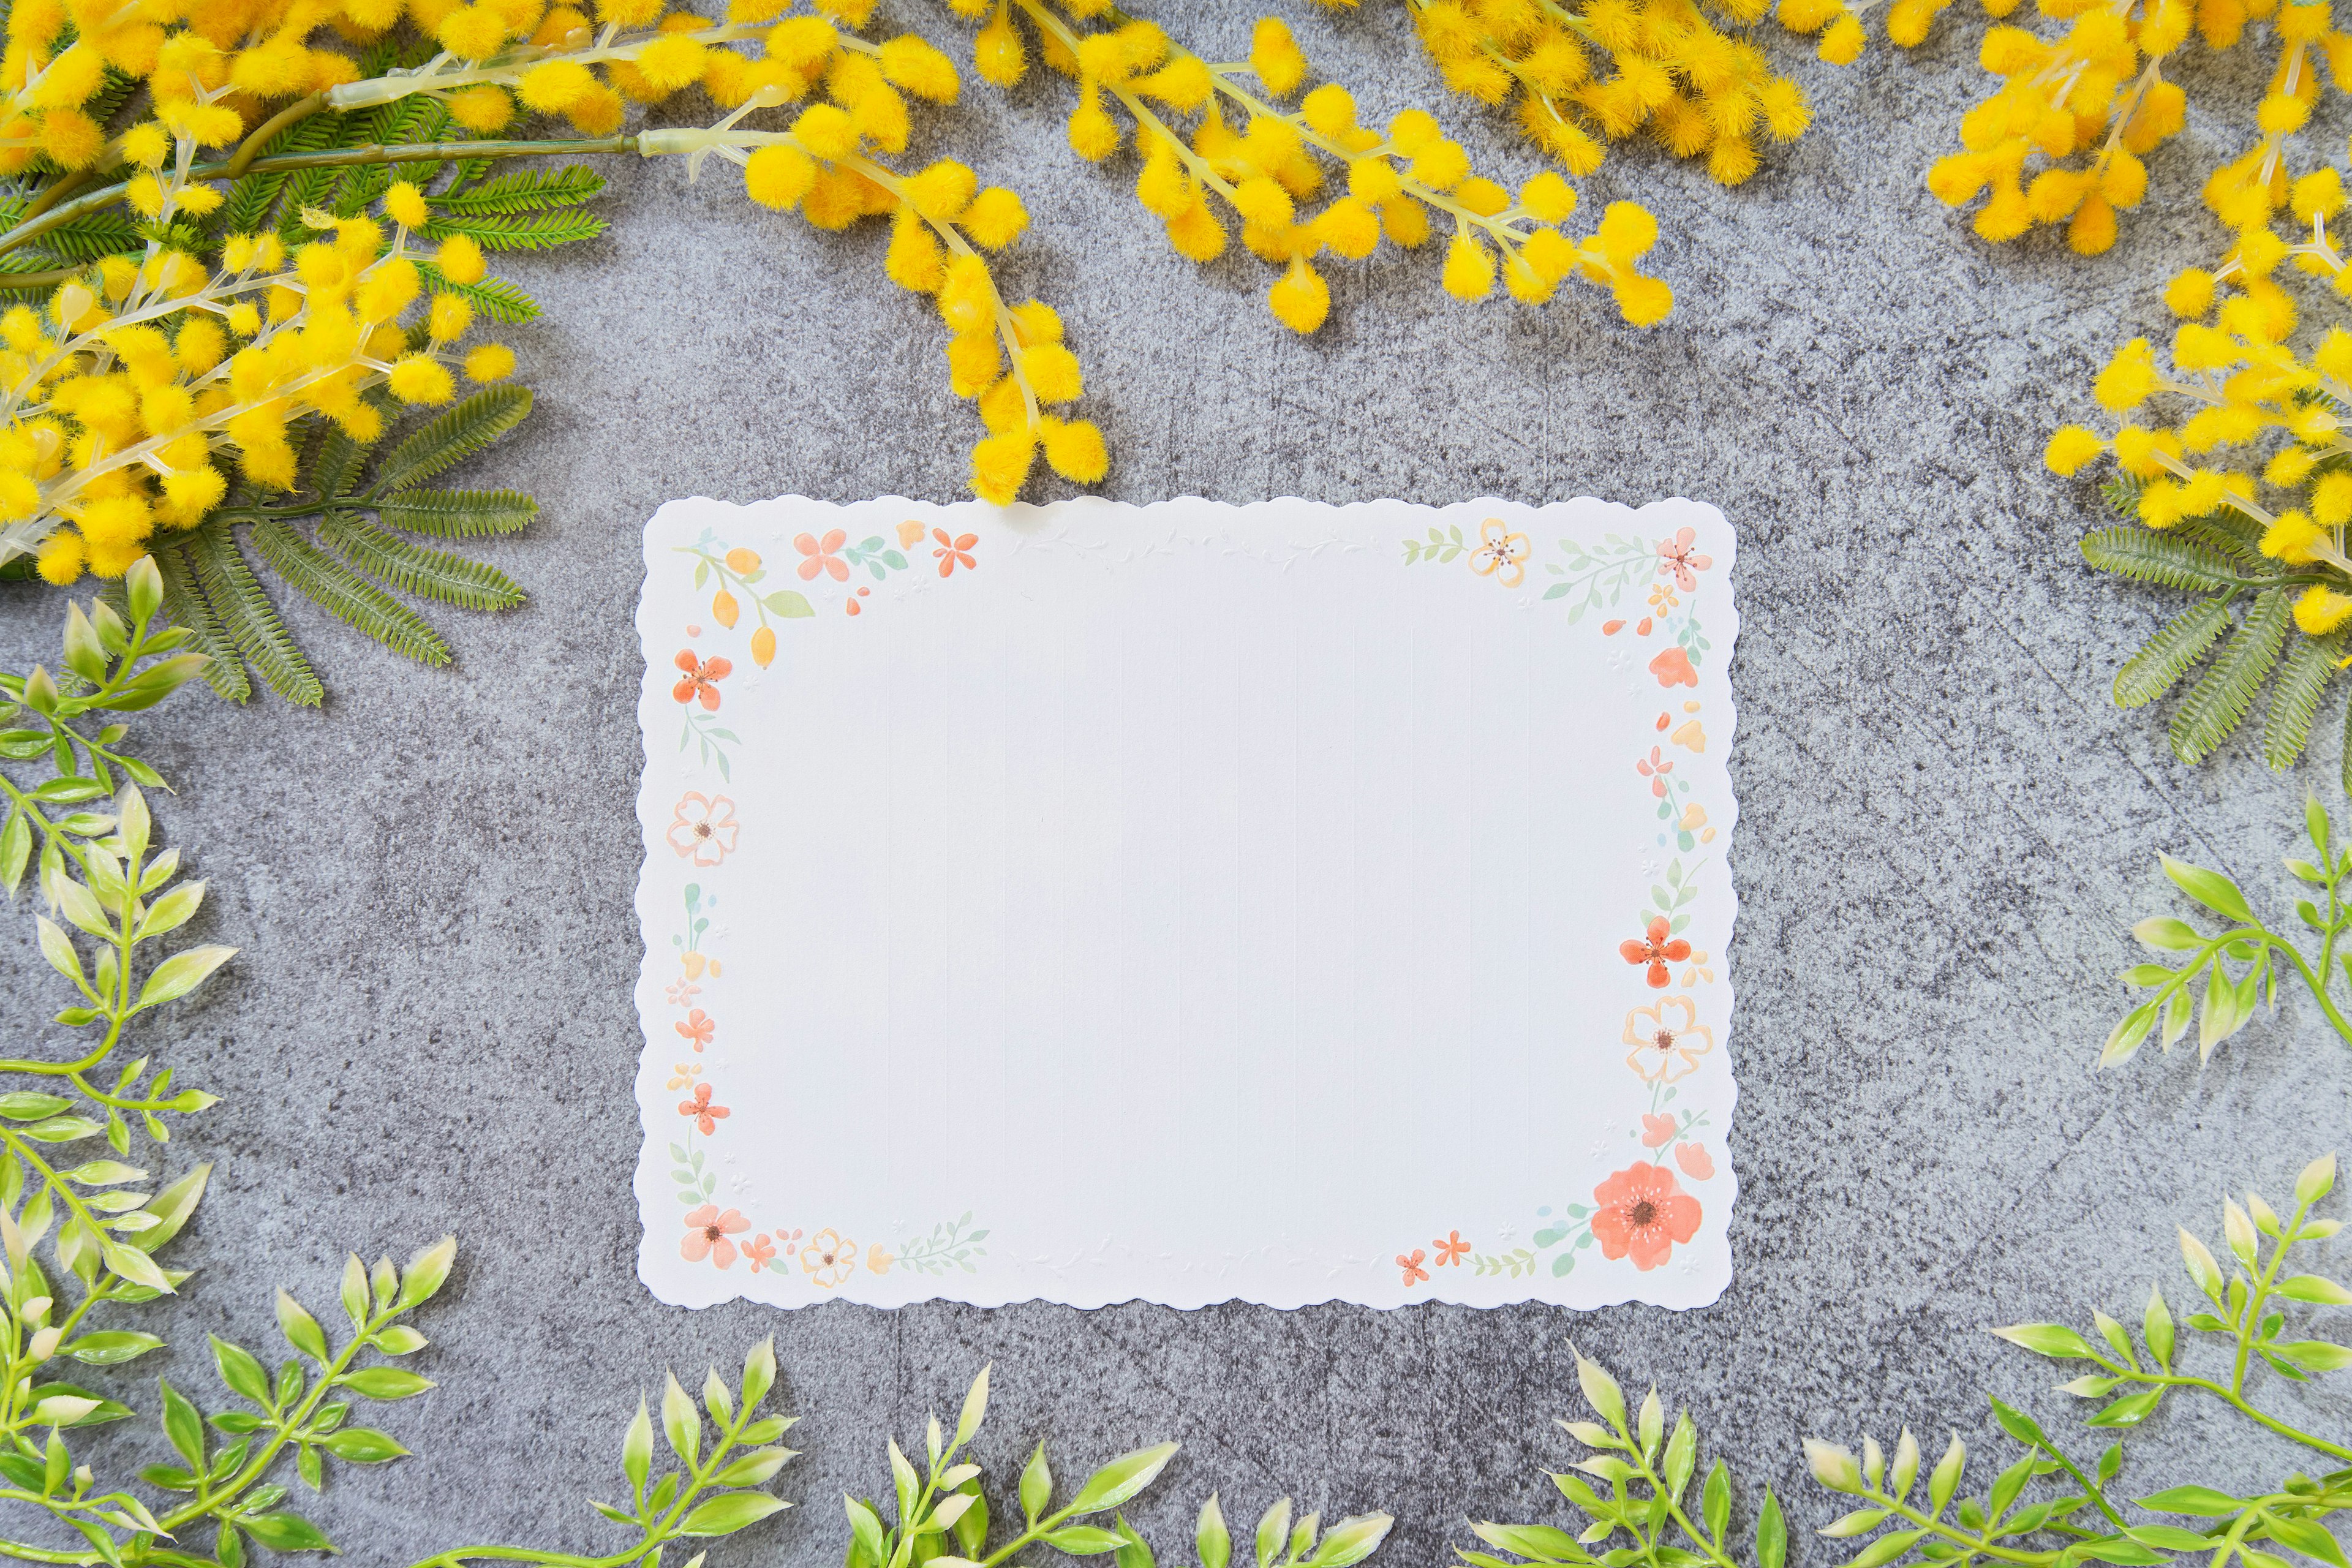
x=1214 y=148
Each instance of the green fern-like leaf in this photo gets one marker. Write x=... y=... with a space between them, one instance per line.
x=247 y=617
x=524 y=231
x=92 y=236
x=451 y=437
x=2166 y=657
x=345 y=595
x=184 y=607
x=2130 y=550
x=2121 y=492
x=414 y=569
x=2219 y=703
x=493 y=299
x=254 y=197
x=457 y=515
x=2235 y=536
x=335 y=461
x=2309 y=666
x=523 y=191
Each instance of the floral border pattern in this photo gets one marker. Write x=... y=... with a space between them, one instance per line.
x=703 y=831
x=1641 y=1212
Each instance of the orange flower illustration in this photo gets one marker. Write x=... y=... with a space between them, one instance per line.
x=1678 y=558
x=878 y=1259
x=829 y=1258
x=954 y=552
x=1696 y=1161
x=1672 y=668
x=817 y=555
x=1656 y=949
x=1411 y=1263
x=1657 y=1132
x=701 y=679
x=1501 y=555
x=700 y=1112
x=698 y=1027
x=1667 y=1040
x=1641 y=1211
x=761 y=1251
x=703 y=828
x=707 y=1230
x=1451 y=1251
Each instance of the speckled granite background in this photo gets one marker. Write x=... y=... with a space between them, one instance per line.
x=1945 y=832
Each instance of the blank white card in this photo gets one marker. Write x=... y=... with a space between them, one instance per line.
x=1187 y=903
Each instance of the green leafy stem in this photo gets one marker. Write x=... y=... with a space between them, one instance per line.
x=942 y=1517
x=2229 y=1001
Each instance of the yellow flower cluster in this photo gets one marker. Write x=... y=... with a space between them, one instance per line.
x=2243 y=388
x=855 y=95
x=1261 y=166
x=119 y=402
x=1620 y=65
x=2098 y=94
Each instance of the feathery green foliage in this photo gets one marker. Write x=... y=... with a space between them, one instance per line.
x=349 y=567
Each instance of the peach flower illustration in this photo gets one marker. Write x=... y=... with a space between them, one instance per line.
x=1657 y=1132
x=683 y=1073
x=1696 y=1161
x=829 y=1258
x=1641 y=1212
x=1500 y=555
x=698 y=1027
x=817 y=555
x=707 y=1230
x=1667 y=1040
x=1411 y=1262
x=1451 y=1251
x=703 y=828
x=1678 y=558
x=879 y=1259
x=761 y=1251
x=701 y=1112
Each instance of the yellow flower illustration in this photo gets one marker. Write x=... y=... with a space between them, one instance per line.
x=829 y=1258
x=1500 y=552
x=1697 y=971
x=1666 y=1048
x=879 y=1260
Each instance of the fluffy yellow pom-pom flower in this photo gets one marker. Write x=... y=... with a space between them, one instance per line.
x=778 y=176
x=420 y=378
x=2322 y=610
x=460 y=260
x=2070 y=449
x=1075 y=449
x=61 y=560
x=999 y=466
x=489 y=362
x=1299 y=299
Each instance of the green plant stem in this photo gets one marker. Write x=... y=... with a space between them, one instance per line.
x=33 y=227
x=292 y=114
x=1979 y=1545
x=209 y=1503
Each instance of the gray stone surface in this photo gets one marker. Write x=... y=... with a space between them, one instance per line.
x=1946 y=832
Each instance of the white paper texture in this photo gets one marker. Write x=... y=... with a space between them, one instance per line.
x=1282 y=903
